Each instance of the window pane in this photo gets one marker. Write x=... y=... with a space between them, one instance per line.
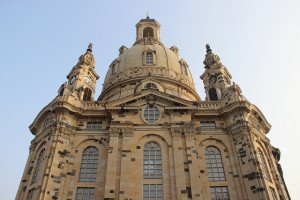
x=212 y=157
x=264 y=166
x=153 y=191
x=218 y=193
x=89 y=164
x=152 y=160
x=37 y=167
x=85 y=194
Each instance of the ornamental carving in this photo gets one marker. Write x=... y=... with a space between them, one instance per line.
x=87 y=58
x=189 y=133
x=65 y=130
x=148 y=41
x=117 y=132
x=176 y=133
x=50 y=119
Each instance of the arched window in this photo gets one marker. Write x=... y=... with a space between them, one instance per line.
x=150 y=86
x=89 y=164
x=148 y=32
x=264 y=165
x=152 y=161
x=38 y=165
x=87 y=94
x=214 y=164
x=149 y=58
x=61 y=92
x=213 y=96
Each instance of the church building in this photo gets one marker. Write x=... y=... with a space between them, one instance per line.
x=149 y=135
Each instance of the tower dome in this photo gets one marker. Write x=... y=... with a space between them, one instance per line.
x=148 y=61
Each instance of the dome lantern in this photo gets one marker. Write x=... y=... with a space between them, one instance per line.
x=147 y=28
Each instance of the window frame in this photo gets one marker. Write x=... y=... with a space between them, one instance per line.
x=214 y=164
x=214 y=192
x=89 y=165
x=91 y=196
x=152 y=160
x=151 y=114
x=38 y=166
x=158 y=191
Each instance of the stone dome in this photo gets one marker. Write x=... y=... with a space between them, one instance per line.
x=148 y=61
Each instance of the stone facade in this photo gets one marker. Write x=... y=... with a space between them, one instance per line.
x=149 y=135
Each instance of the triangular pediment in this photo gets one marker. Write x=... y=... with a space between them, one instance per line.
x=151 y=96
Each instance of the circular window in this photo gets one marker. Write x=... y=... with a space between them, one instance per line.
x=151 y=114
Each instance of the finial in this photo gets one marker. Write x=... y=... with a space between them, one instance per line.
x=147 y=17
x=208 y=49
x=90 y=47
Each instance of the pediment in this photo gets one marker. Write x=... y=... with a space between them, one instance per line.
x=151 y=97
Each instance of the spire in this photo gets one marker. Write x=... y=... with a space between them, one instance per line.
x=90 y=47
x=208 y=49
x=211 y=60
x=88 y=57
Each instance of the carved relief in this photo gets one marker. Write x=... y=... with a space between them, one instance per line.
x=124 y=133
x=176 y=133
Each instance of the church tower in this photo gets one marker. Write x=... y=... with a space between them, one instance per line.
x=149 y=135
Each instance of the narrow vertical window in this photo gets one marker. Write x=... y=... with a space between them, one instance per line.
x=153 y=192
x=89 y=164
x=152 y=161
x=87 y=94
x=149 y=58
x=113 y=69
x=264 y=166
x=214 y=164
x=213 y=96
x=30 y=194
x=38 y=166
x=274 y=196
x=85 y=193
x=184 y=69
x=218 y=193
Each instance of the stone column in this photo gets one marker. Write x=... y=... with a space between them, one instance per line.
x=127 y=185
x=113 y=159
x=249 y=171
x=180 y=182
x=192 y=161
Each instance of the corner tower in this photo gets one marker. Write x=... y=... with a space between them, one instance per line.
x=82 y=78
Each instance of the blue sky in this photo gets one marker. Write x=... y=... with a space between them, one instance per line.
x=258 y=41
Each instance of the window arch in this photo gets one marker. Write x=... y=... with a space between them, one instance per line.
x=149 y=58
x=152 y=161
x=87 y=94
x=264 y=165
x=150 y=86
x=38 y=165
x=148 y=32
x=89 y=164
x=213 y=96
x=214 y=164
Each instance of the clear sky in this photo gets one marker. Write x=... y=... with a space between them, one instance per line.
x=258 y=41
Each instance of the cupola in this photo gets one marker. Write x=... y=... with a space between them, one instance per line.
x=147 y=28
